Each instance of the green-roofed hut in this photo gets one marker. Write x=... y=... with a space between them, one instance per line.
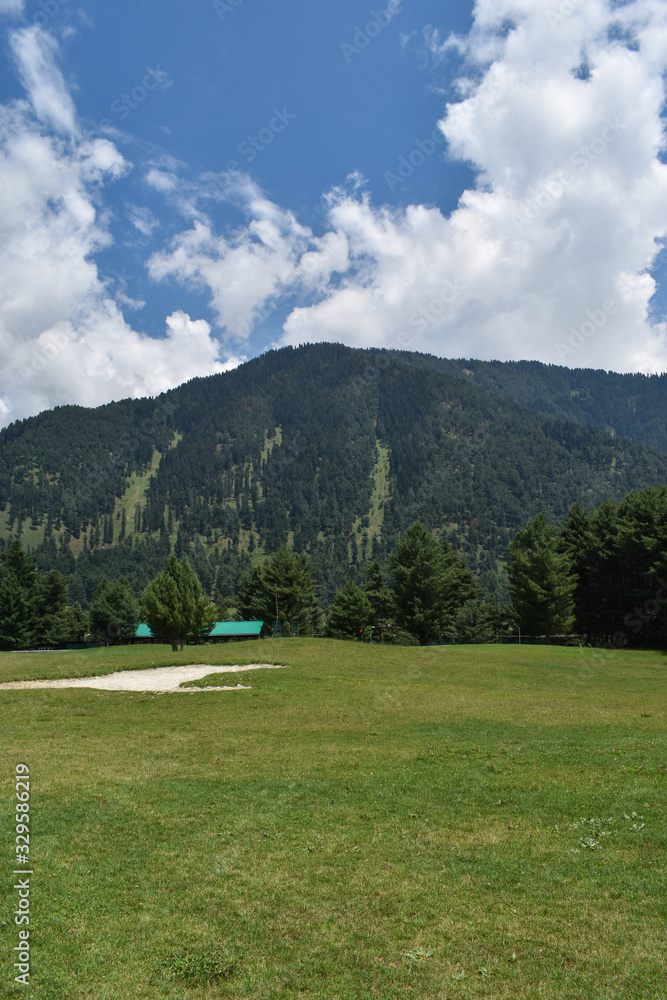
x=222 y=632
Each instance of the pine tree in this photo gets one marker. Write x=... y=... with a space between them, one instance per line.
x=473 y=622
x=350 y=611
x=576 y=540
x=70 y=624
x=114 y=611
x=379 y=595
x=429 y=582
x=252 y=597
x=541 y=581
x=175 y=606
x=19 y=612
x=281 y=590
x=608 y=572
x=289 y=587
x=51 y=600
x=108 y=530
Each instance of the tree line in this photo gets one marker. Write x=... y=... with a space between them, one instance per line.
x=601 y=576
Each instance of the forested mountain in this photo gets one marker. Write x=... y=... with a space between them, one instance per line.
x=333 y=450
x=628 y=405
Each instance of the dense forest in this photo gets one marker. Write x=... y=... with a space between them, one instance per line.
x=600 y=579
x=332 y=451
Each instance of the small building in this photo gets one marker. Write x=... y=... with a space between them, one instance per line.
x=234 y=631
x=143 y=634
x=221 y=632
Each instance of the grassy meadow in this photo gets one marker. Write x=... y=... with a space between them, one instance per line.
x=371 y=822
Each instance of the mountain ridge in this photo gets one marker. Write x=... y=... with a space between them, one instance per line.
x=332 y=449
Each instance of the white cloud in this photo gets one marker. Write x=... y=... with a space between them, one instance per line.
x=547 y=257
x=142 y=219
x=161 y=181
x=100 y=357
x=35 y=52
x=11 y=6
x=244 y=272
x=63 y=338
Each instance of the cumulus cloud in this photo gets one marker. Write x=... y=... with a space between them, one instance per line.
x=547 y=257
x=100 y=357
x=243 y=272
x=63 y=337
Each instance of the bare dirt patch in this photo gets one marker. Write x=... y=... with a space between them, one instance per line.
x=158 y=679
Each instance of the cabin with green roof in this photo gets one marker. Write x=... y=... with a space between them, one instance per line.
x=221 y=632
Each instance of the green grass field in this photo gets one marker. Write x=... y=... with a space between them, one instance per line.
x=372 y=822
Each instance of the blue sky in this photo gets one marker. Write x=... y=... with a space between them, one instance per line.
x=187 y=185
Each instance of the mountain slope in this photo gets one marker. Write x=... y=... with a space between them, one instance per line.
x=631 y=405
x=331 y=449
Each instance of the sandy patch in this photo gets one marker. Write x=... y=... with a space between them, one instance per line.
x=160 y=679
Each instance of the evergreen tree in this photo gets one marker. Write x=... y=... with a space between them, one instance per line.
x=114 y=611
x=350 y=611
x=289 y=584
x=51 y=592
x=51 y=600
x=175 y=606
x=281 y=590
x=252 y=597
x=379 y=594
x=429 y=582
x=541 y=581
x=70 y=624
x=577 y=541
x=460 y=585
x=503 y=618
x=473 y=622
x=19 y=613
x=608 y=602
